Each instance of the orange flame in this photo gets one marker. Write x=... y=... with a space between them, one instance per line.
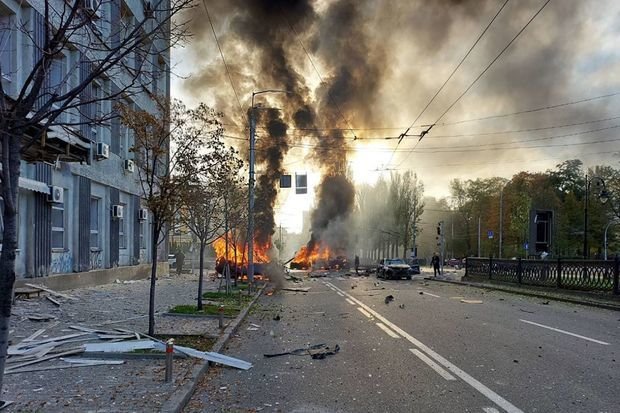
x=305 y=258
x=238 y=254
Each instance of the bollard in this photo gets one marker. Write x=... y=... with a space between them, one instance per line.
x=221 y=318
x=169 y=355
x=240 y=299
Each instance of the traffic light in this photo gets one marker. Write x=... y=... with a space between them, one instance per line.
x=439 y=228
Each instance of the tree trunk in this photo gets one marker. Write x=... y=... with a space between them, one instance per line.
x=200 y=274
x=154 y=243
x=11 y=162
x=7 y=281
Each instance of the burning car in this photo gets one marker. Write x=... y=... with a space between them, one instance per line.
x=393 y=268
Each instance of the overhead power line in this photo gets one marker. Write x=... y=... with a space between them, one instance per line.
x=232 y=85
x=559 y=105
x=469 y=148
x=504 y=115
x=516 y=36
x=453 y=72
x=555 y=145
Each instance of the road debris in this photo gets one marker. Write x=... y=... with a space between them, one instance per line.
x=5 y=403
x=27 y=292
x=53 y=301
x=545 y=302
x=526 y=311
x=215 y=357
x=119 y=347
x=41 y=317
x=389 y=299
x=472 y=301
x=316 y=351
x=401 y=306
x=54 y=293
x=297 y=289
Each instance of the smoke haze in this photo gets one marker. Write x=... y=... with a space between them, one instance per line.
x=381 y=62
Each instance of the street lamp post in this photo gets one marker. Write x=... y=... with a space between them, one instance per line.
x=603 y=196
x=251 y=184
x=478 y=235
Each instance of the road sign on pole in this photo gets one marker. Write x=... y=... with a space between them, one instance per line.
x=490 y=234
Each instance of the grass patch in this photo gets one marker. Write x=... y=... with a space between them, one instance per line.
x=207 y=309
x=229 y=300
x=197 y=342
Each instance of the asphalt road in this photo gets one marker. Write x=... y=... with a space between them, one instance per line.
x=426 y=351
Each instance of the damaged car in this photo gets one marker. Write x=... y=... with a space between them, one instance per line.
x=394 y=269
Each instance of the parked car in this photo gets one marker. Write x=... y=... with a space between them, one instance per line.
x=455 y=262
x=172 y=260
x=393 y=268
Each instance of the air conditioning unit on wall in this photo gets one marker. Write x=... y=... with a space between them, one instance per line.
x=129 y=165
x=117 y=211
x=103 y=151
x=56 y=194
x=143 y=214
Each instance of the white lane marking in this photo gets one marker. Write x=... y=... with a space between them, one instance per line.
x=490 y=410
x=432 y=364
x=432 y=295
x=339 y=293
x=488 y=393
x=366 y=313
x=565 y=332
x=387 y=330
x=349 y=301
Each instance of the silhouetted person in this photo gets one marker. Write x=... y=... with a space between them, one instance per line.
x=357 y=265
x=180 y=261
x=435 y=264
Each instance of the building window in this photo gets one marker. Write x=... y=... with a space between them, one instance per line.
x=122 y=230
x=57 y=83
x=143 y=228
x=7 y=49
x=58 y=225
x=94 y=223
x=97 y=111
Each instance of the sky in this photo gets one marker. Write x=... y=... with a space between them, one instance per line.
x=368 y=69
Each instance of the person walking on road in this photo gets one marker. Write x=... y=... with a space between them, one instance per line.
x=357 y=265
x=180 y=261
x=435 y=264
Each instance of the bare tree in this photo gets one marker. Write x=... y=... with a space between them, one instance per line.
x=107 y=41
x=204 y=203
x=168 y=153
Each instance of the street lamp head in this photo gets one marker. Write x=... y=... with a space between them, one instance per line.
x=604 y=196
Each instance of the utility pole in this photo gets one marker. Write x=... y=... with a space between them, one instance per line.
x=280 y=246
x=251 y=196
x=478 y=236
x=452 y=235
x=441 y=244
x=251 y=185
x=501 y=220
x=585 y=220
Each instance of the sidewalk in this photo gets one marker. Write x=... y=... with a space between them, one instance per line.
x=135 y=386
x=594 y=299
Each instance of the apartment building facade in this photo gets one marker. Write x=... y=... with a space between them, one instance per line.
x=80 y=207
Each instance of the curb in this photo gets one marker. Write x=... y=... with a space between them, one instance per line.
x=598 y=304
x=180 y=397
